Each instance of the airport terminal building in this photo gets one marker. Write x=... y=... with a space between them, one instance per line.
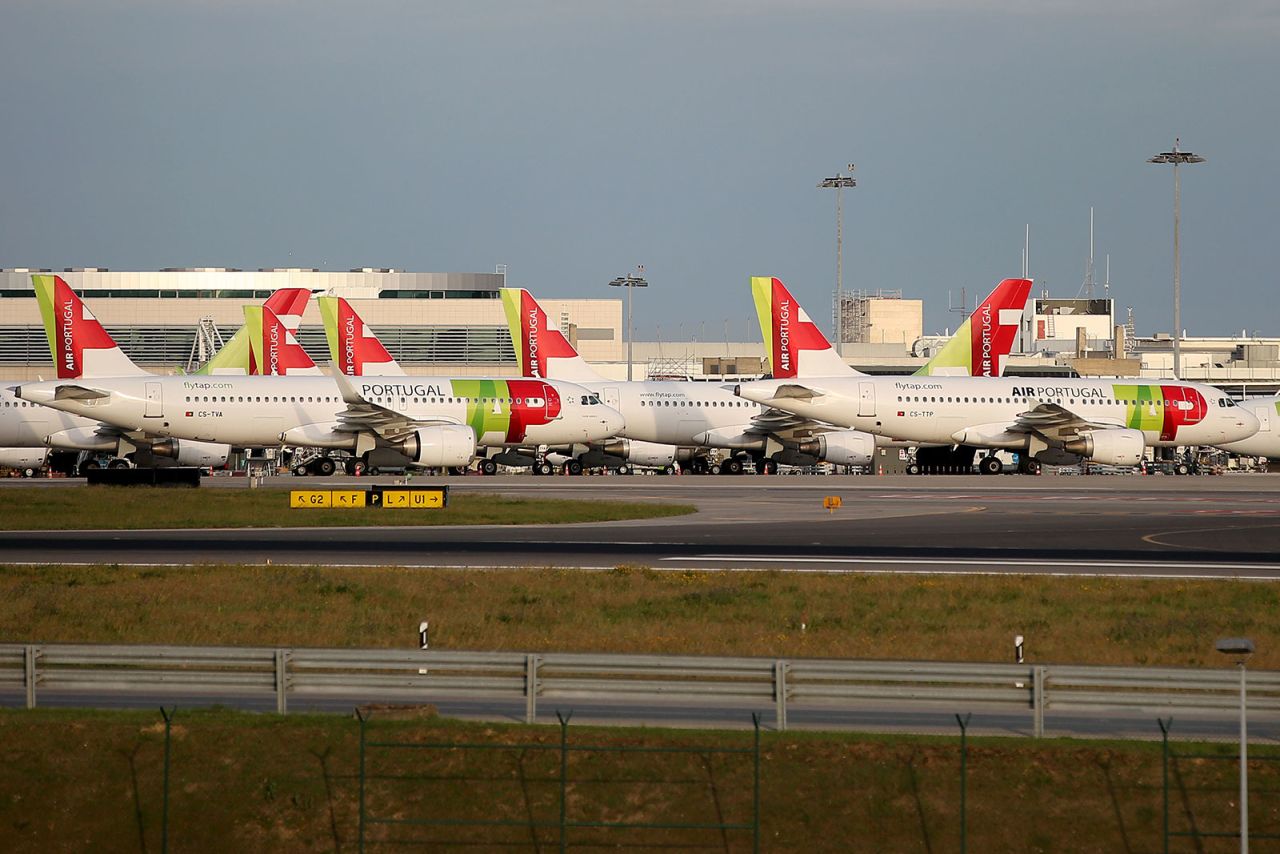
x=167 y=320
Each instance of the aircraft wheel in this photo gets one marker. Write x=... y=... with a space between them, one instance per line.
x=544 y=469
x=28 y=472
x=118 y=464
x=489 y=467
x=715 y=468
x=624 y=469
x=914 y=468
x=990 y=465
x=733 y=466
x=325 y=466
x=1182 y=468
x=300 y=471
x=574 y=467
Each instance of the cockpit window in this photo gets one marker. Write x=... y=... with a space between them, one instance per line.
x=592 y=399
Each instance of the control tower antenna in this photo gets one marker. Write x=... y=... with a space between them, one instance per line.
x=1087 y=288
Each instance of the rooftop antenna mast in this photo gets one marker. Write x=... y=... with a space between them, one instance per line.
x=1087 y=287
x=1026 y=251
x=1106 y=283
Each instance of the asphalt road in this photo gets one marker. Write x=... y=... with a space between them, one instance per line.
x=1151 y=526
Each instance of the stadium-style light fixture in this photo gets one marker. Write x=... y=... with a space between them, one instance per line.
x=630 y=283
x=839 y=183
x=1176 y=158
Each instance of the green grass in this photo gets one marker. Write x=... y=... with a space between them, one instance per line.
x=107 y=507
x=1093 y=621
x=243 y=782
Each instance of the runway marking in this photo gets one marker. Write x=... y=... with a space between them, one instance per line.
x=1151 y=538
x=1122 y=565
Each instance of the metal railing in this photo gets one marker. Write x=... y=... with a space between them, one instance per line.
x=422 y=676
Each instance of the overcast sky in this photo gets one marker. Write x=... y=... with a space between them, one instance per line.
x=574 y=140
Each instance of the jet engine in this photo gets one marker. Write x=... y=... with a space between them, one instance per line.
x=446 y=445
x=642 y=453
x=842 y=447
x=1122 y=446
x=188 y=452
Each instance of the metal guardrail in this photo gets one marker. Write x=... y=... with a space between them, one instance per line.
x=423 y=675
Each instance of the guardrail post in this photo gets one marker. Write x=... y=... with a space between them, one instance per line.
x=1038 y=692
x=780 y=693
x=282 y=681
x=29 y=674
x=1164 y=773
x=531 y=688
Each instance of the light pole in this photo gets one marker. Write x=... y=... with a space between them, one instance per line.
x=630 y=283
x=1241 y=649
x=1177 y=158
x=838 y=183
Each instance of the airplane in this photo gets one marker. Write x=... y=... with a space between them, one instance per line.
x=1054 y=422
x=1266 y=442
x=657 y=434
x=434 y=423
x=83 y=349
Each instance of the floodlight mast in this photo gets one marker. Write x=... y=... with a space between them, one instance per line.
x=1240 y=649
x=838 y=183
x=1176 y=158
x=630 y=283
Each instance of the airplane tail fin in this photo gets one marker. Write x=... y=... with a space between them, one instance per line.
x=273 y=351
x=541 y=349
x=288 y=304
x=355 y=350
x=985 y=339
x=796 y=347
x=81 y=347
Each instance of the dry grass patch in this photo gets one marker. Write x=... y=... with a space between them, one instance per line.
x=1097 y=621
x=242 y=782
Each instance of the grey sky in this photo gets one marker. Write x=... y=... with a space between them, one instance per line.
x=573 y=140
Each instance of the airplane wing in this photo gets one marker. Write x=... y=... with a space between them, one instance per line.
x=1055 y=422
x=73 y=391
x=363 y=415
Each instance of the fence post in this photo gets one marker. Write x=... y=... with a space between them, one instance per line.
x=755 y=807
x=531 y=688
x=282 y=681
x=1038 y=692
x=780 y=693
x=1164 y=773
x=167 y=714
x=29 y=673
x=363 y=720
x=564 y=777
x=964 y=780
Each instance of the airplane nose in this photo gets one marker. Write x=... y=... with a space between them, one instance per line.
x=1246 y=425
x=614 y=422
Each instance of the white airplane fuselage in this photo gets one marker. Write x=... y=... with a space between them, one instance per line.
x=978 y=410
x=25 y=425
x=1266 y=442
x=253 y=411
x=674 y=412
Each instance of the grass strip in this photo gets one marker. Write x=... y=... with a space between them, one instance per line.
x=244 y=782
x=1084 y=621
x=105 y=507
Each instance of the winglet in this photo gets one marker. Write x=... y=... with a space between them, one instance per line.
x=985 y=339
x=796 y=347
x=80 y=346
x=353 y=347
x=350 y=394
x=541 y=350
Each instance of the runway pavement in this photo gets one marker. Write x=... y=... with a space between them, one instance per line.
x=1150 y=526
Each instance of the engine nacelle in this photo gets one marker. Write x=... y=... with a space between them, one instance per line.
x=82 y=439
x=642 y=453
x=1121 y=446
x=188 y=452
x=842 y=447
x=446 y=445
x=23 y=458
